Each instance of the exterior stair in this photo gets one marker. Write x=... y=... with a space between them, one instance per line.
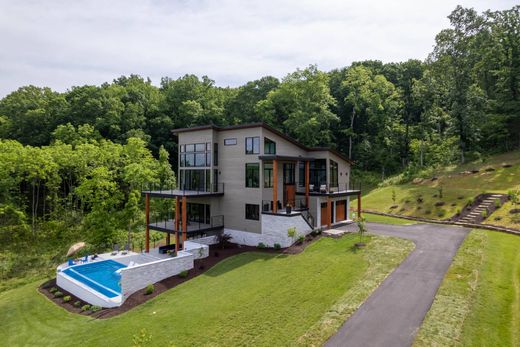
x=474 y=216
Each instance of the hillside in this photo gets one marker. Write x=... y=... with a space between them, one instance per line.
x=441 y=193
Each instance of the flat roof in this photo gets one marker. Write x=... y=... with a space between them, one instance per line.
x=267 y=127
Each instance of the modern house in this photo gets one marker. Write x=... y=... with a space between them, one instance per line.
x=255 y=183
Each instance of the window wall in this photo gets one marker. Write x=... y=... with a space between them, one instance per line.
x=253 y=175
x=195 y=155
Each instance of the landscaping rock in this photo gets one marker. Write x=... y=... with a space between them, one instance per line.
x=439 y=203
x=434 y=178
x=417 y=180
x=505 y=165
x=489 y=169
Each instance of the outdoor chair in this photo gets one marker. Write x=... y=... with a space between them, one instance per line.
x=115 y=249
x=311 y=187
x=85 y=259
x=127 y=249
x=323 y=188
x=71 y=262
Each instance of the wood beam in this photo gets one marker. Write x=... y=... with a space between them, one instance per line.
x=147 y=213
x=275 y=185
x=177 y=216
x=184 y=220
x=329 y=214
x=307 y=182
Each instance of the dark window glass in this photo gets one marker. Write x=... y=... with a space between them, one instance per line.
x=301 y=174
x=252 y=145
x=190 y=159
x=318 y=173
x=183 y=160
x=268 y=175
x=252 y=212
x=192 y=180
x=215 y=154
x=200 y=159
x=230 y=142
x=183 y=148
x=269 y=146
x=333 y=173
x=190 y=148
x=208 y=180
x=253 y=175
x=288 y=173
x=208 y=159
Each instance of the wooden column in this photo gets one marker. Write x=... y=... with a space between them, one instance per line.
x=147 y=212
x=275 y=186
x=177 y=216
x=307 y=179
x=359 y=205
x=184 y=220
x=329 y=214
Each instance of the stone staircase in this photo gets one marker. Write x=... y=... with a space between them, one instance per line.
x=475 y=215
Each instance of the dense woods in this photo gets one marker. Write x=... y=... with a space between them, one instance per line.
x=79 y=158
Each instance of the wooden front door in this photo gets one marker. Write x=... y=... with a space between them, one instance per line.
x=340 y=210
x=324 y=220
x=289 y=195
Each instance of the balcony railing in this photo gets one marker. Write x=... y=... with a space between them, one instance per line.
x=326 y=188
x=184 y=189
x=297 y=204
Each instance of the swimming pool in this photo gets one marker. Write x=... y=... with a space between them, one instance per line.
x=101 y=276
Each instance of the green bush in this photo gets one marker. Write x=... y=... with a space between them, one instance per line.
x=260 y=245
x=300 y=239
x=85 y=307
x=66 y=298
x=149 y=289
x=470 y=202
x=484 y=214
x=77 y=303
x=498 y=203
x=95 y=308
x=53 y=290
x=291 y=232
x=58 y=294
x=277 y=246
x=183 y=274
x=420 y=199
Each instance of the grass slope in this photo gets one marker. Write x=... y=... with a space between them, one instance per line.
x=504 y=218
x=456 y=188
x=250 y=299
x=478 y=303
x=375 y=218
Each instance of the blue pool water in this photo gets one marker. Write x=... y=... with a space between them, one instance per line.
x=100 y=276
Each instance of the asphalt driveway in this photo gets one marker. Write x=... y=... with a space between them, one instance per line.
x=392 y=315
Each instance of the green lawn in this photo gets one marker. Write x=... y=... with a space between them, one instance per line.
x=478 y=303
x=250 y=299
x=375 y=218
x=456 y=189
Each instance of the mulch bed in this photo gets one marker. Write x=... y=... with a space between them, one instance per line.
x=216 y=255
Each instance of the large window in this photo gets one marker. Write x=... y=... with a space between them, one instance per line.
x=333 y=173
x=253 y=175
x=288 y=173
x=301 y=174
x=252 y=212
x=268 y=175
x=269 y=146
x=318 y=173
x=195 y=155
x=193 y=180
x=252 y=145
x=198 y=213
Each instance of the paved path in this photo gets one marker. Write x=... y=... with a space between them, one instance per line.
x=394 y=312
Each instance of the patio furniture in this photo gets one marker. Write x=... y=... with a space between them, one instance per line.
x=165 y=249
x=85 y=259
x=70 y=262
x=127 y=249
x=323 y=188
x=115 y=249
x=311 y=187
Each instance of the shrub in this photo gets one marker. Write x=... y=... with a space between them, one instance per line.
x=184 y=274
x=420 y=199
x=441 y=213
x=66 y=298
x=428 y=212
x=277 y=246
x=470 y=202
x=453 y=204
x=172 y=253
x=439 y=203
x=393 y=207
x=77 y=303
x=53 y=290
x=498 y=218
x=458 y=212
x=291 y=232
x=85 y=307
x=393 y=196
x=460 y=197
x=440 y=192
x=484 y=214
x=223 y=240
x=314 y=233
x=407 y=201
x=95 y=308
x=300 y=239
x=498 y=203
x=260 y=245
x=58 y=294
x=149 y=289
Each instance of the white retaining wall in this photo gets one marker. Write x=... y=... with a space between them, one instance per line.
x=196 y=248
x=138 y=277
x=208 y=240
x=274 y=230
x=85 y=293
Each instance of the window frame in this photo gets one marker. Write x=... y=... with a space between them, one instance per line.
x=268 y=173
x=232 y=141
x=257 y=179
x=253 y=140
x=269 y=146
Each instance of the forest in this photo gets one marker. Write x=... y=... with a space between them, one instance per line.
x=72 y=163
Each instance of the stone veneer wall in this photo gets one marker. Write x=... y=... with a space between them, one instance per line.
x=274 y=230
x=198 y=249
x=138 y=277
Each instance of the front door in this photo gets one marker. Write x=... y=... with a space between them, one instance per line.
x=340 y=210
x=289 y=194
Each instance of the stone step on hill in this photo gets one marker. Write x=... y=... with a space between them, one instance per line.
x=485 y=202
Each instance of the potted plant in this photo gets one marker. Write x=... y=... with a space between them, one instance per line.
x=288 y=208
